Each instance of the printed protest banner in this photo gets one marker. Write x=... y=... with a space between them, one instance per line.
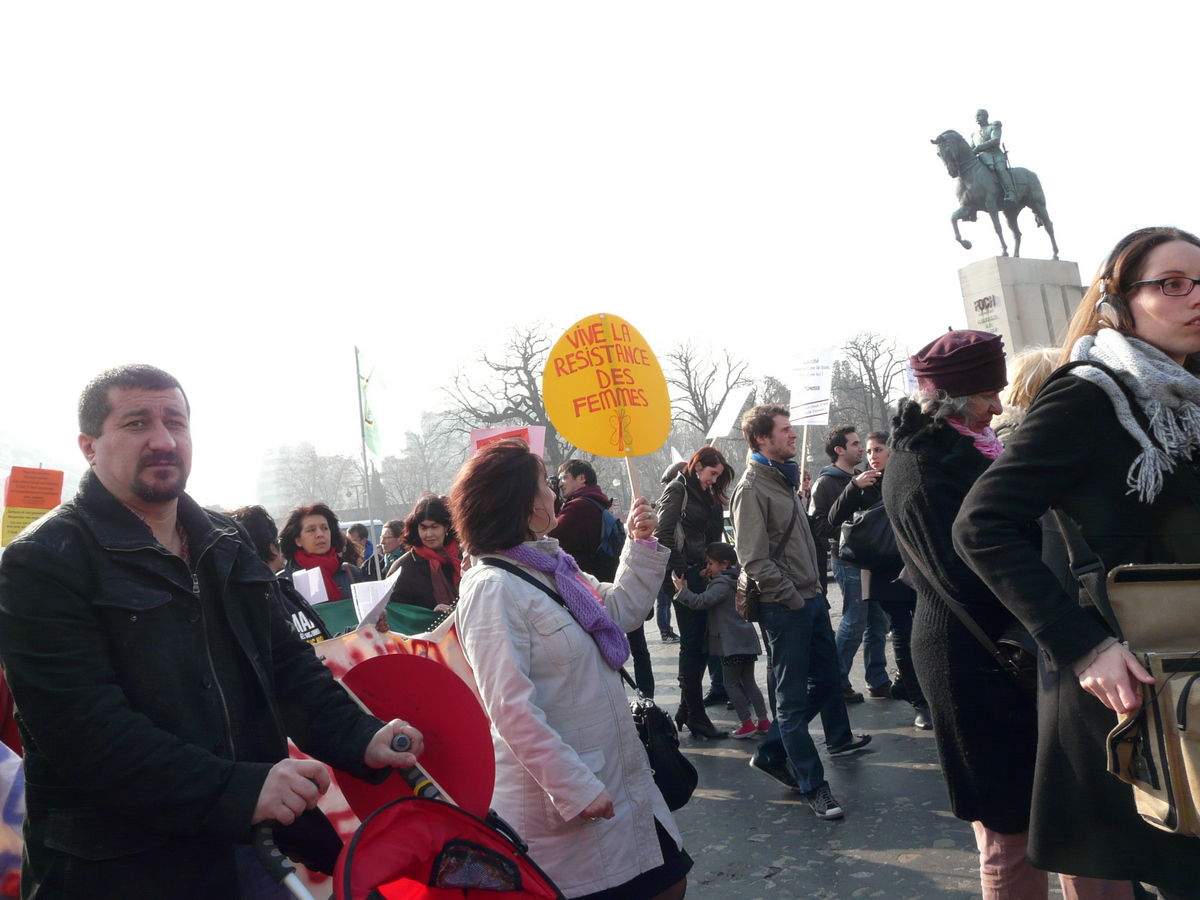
x=812 y=387
x=28 y=495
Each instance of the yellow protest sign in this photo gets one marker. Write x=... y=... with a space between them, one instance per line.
x=604 y=389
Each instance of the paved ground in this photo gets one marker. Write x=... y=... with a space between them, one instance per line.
x=751 y=838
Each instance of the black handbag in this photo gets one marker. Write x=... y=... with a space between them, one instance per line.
x=1016 y=650
x=674 y=774
x=868 y=541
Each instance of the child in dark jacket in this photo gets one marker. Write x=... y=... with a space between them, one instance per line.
x=729 y=635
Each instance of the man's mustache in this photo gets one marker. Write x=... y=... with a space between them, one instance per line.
x=168 y=458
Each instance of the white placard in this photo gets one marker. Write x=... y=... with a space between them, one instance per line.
x=676 y=456
x=311 y=584
x=729 y=410
x=371 y=596
x=812 y=387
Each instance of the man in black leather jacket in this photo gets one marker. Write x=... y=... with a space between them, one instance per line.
x=155 y=679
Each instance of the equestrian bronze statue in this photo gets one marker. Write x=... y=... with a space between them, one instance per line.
x=980 y=187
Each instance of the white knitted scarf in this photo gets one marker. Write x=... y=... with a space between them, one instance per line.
x=1166 y=392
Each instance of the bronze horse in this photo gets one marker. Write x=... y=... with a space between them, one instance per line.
x=979 y=189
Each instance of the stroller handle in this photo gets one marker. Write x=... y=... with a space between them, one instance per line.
x=276 y=864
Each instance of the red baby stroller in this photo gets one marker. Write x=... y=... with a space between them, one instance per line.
x=413 y=849
x=409 y=847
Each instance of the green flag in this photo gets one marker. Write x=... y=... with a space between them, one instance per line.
x=366 y=376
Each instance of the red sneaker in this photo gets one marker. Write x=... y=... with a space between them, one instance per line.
x=748 y=730
x=763 y=725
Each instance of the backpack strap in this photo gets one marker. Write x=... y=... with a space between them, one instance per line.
x=603 y=509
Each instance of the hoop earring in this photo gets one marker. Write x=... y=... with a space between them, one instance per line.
x=549 y=524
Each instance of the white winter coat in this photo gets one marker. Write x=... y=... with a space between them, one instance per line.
x=561 y=724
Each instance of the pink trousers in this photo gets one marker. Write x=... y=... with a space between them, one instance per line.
x=1005 y=873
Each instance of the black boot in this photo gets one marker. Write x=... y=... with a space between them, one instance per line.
x=696 y=719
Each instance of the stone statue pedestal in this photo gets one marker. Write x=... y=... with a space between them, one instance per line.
x=1027 y=301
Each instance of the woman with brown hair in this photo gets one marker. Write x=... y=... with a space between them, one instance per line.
x=1112 y=444
x=545 y=642
x=311 y=539
x=432 y=568
x=690 y=516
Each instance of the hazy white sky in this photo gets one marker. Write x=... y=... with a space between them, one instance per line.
x=240 y=192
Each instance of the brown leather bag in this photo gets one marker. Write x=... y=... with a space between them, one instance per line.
x=1156 y=748
x=749 y=598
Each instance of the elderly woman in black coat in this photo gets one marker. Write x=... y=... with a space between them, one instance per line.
x=1120 y=476
x=984 y=726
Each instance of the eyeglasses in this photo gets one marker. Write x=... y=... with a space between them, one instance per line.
x=1175 y=286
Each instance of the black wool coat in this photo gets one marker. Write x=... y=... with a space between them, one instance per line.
x=1072 y=454
x=985 y=730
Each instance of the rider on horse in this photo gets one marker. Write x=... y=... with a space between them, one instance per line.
x=986 y=144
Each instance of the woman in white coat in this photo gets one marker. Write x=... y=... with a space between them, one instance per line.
x=546 y=642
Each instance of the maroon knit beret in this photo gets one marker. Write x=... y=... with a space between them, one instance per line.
x=961 y=363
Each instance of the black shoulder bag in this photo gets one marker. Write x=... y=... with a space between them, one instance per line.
x=674 y=774
x=1015 y=651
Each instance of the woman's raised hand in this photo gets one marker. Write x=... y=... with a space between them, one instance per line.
x=641 y=521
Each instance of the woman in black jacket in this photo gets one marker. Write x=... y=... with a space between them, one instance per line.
x=1121 y=477
x=984 y=726
x=688 y=521
x=311 y=539
x=432 y=568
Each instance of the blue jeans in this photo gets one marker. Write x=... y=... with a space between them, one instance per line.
x=808 y=681
x=663 y=611
x=863 y=622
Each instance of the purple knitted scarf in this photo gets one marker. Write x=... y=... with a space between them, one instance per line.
x=582 y=602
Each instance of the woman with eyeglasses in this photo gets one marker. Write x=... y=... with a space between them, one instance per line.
x=1110 y=443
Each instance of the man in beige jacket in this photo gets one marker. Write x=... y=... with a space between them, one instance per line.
x=775 y=547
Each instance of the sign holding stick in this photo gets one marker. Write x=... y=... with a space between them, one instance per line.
x=605 y=391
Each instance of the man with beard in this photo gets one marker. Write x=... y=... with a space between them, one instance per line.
x=776 y=549
x=156 y=678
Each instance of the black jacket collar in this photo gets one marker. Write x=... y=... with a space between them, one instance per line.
x=116 y=527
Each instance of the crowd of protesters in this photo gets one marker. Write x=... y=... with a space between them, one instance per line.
x=964 y=500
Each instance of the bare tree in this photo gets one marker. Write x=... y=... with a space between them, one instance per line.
x=305 y=476
x=702 y=383
x=769 y=389
x=513 y=393
x=864 y=381
x=430 y=459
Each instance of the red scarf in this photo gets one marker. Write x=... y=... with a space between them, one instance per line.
x=437 y=558
x=328 y=562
